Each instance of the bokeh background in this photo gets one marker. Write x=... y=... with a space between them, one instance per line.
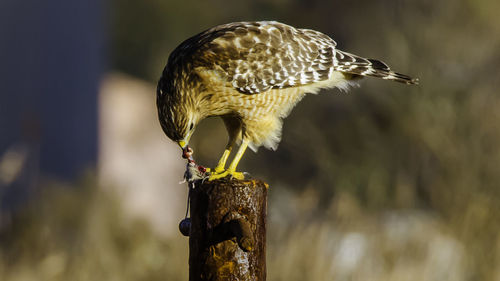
x=386 y=182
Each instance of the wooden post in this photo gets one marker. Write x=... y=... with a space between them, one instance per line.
x=227 y=239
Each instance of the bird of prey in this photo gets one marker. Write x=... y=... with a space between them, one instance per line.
x=251 y=74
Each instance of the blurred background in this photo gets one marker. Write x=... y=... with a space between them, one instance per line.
x=386 y=182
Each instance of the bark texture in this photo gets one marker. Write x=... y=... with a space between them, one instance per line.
x=227 y=239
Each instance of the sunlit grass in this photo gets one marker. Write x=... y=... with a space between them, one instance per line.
x=80 y=233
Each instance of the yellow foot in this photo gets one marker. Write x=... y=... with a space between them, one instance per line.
x=223 y=174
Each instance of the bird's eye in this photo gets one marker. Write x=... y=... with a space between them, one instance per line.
x=191 y=126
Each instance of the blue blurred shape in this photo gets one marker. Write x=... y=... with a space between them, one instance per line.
x=51 y=62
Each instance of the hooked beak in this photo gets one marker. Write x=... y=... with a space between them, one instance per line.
x=182 y=144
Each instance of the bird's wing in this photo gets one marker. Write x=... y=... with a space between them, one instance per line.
x=257 y=56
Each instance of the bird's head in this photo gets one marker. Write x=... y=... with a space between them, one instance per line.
x=177 y=116
x=180 y=127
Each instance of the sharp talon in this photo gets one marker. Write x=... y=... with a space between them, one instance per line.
x=233 y=175
x=215 y=176
x=238 y=175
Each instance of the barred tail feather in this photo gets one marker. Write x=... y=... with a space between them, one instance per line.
x=358 y=66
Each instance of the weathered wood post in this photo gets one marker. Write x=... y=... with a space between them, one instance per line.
x=227 y=239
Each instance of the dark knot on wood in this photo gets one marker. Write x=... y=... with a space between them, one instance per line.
x=233 y=226
x=228 y=227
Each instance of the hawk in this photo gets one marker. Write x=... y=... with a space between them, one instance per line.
x=251 y=74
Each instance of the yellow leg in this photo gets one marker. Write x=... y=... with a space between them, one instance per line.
x=222 y=161
x=231 y=171
x=237 y=157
